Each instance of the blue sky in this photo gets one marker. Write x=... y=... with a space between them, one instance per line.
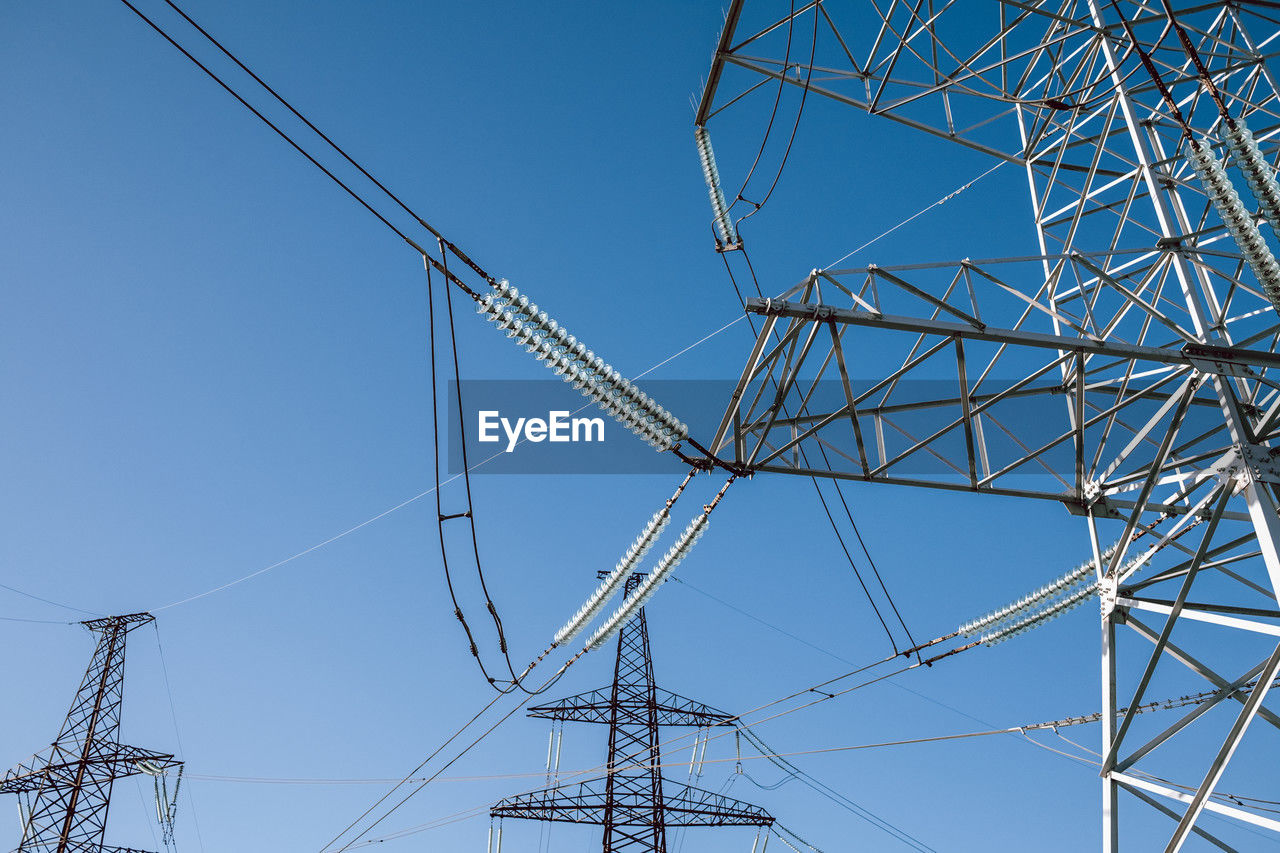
x=212 y=359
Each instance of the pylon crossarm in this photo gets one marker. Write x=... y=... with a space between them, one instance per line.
x=584 y=802
x=974 y=432
x=128 y=621
x=690 y=806
x=593 y=707
x=115 y=760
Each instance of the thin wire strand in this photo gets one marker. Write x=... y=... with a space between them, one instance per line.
x=414 y=499
x=309 y=550
x=405 y=780
x=946 y=198
x=889 y=828
x=866 y=553
x=425 y=782
x=34 y=621
x=177 y=732
x=35 y=597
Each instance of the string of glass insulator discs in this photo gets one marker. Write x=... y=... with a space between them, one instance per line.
x=562 y=352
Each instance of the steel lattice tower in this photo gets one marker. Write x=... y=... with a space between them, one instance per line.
x=1125 y=367
x=633 y=802
x=68 y=789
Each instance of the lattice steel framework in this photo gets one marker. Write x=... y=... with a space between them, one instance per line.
x=633 y=802
x=67 y=790
x=1125 y=367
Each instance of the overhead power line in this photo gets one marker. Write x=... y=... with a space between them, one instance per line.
x=268 y=122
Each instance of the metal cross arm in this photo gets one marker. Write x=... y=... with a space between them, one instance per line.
x=585 y=802
x=671 y=709
x=1224 y=360
x=115 y=759
x=1049 y=376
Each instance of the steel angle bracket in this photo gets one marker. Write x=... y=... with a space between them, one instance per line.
x=1254 y=462
x=1229 y=361
x=1091 y=500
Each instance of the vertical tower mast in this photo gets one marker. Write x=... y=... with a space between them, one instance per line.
x=633 y=788
x=68 y=789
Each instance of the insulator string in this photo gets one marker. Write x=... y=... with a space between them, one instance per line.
x=614 y=581
x=658 y=576
x=552 y=344
x=710 y=172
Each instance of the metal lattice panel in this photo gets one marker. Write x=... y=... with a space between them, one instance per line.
x=1125 y=365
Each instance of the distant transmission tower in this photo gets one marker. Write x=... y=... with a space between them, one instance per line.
x=66 y=792
x=633 y=803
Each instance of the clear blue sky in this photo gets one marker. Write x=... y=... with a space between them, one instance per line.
x=212 y=359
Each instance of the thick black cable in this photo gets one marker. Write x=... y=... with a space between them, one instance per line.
x=440 y=514
x=1194 y=55
x=786 y=154
x=233 y=93
x=461 y=255
x=840 y=492
x=833 y=795
x=550 y=682
x=845 y=548
x=35 y=597
x=777 y=99
x=1154 y=73
x=443 y=266
x=870 y=561
x=466 y=478
x=318 y=132
x=826 y=509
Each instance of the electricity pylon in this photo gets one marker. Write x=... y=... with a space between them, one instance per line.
x=633 y=802
x=67 y=790
x=1126 y=366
